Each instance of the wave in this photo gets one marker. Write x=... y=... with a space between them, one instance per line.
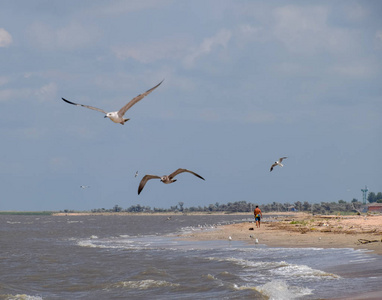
x=143 y=284
x=20 y=297
x=280 y=268
x=280 y=290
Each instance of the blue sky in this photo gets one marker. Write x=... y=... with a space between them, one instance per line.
x=246 y=82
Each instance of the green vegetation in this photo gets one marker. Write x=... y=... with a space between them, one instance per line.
x=341 y=207
x=372 y=197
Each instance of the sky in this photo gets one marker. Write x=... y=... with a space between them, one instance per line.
x=245 y=83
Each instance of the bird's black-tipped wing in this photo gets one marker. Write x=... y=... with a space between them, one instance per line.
x=87 y=106
x=274 y=165
x=144 y=180
x=124 y=109
x=172 y=175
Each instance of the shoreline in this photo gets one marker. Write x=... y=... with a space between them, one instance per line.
x=285 y=229
x=303 y=230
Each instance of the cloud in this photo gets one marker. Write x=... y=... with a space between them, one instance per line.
x=306 y=30
x=8 y=94
x=60 y=164
x=208 y=45
x=5 y=38
x=3 y=80
x=44 y=93
x=378 y=39
x=356 y=69
x=152 y=51
x=173 y=49
x=356 y=12
x=124 y=7
x=70 y=37
x=260 y=117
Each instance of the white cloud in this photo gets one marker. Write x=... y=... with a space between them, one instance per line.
x=33 y=133
x=245 y=34
x=260 y=117
x=208 y=45
x=306 y=30
x=8 y=94
x=5 y=38
x=70 y=37
x=122 y=7
x=46 y=92
x=356 y=12
x=60 y=164
x=3 y=80
x=357 y=69
x=173 y=49
x=149 y=52
x=378 y=39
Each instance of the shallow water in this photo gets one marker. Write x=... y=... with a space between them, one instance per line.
x=138 y=257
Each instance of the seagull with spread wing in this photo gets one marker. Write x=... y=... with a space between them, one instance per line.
x=165 y=178
x=278 y=163
x=117 y=116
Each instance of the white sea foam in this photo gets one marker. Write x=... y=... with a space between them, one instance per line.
x=249 y=263
x=280 y=290
x=143 y=284
x=22 y=297
x=291 y=270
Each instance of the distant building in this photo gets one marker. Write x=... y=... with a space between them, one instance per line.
x=374 y=207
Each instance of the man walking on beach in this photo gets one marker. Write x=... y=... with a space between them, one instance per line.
x=258 y=215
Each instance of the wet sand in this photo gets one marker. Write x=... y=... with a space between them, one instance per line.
x=304 y=230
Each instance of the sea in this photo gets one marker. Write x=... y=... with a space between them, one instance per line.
x=144 y=257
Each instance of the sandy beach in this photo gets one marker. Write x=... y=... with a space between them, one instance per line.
x=304 y=230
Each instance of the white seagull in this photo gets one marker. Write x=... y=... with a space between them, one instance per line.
x=84 y=186
x=278 y=163
x=136 y=174
x=117 y=116
x=165 y=178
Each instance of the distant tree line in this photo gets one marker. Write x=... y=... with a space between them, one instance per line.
x=372 y=197
x=243 y=206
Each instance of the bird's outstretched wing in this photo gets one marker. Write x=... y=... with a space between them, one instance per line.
x=124 y=109
x=281 y=158
x=172 y=175
x=144 y=180
x=274 y=165
x=87 y=106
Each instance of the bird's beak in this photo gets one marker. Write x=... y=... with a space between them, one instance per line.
x=105 y=116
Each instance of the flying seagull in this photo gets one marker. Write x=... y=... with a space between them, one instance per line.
x=117 y=116
x=278 y=163
x=84 y=186
x=136 y=174
x=165 y=178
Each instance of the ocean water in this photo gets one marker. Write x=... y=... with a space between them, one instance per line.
x=142 y=257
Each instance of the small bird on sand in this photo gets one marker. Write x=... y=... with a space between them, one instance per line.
x=230 y=238
x=165 y=178
x=278 y=163
x=117 y=116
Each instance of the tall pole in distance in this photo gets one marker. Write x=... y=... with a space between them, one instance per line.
x=364 y=194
